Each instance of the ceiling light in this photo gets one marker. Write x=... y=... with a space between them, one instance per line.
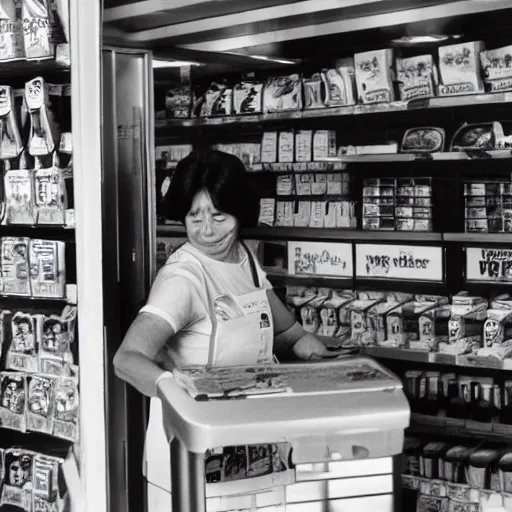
x=277 y=60
x=423 y=39
x=162 y=63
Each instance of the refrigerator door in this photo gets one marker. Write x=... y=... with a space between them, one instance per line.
x=128 y=246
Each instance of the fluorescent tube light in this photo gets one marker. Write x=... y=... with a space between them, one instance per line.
x=162 y=63
x=423 y=39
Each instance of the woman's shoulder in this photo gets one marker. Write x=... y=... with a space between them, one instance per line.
x=180 y=263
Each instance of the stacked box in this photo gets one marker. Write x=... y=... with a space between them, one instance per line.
x=488 y=207
x=403 y=204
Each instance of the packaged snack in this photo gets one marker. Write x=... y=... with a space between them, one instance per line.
x=57 y=334
x=361 y=329
x=423 y=140
x=319 y=185
x=13 y=400
x=11 y=144
x=318 y=211
x=223 y=105
x=269 y=147
x=46 y=483
x=417 y=77
x=22 y=353
x=433 y=326
x=303 y=215
x=17 y=488
x=285 y=185
x=340 y=85
x=334 y=184
x=303 y=183
x=267 y=212
x=47 y=268
x=178 y=101
x=286 y=147
x=50 y=196
x=41 y=401
x=374 y=76
x=313 y=97
x=66 y=410
x=19 y=195
x=303 y=145
x=41 y=138
x=459 y=67
x=282 y=93
x=36 y=30
x=497 y=68
x=15 y=266
x=284 y=213
x=324 y=144
x=247 y=97
x=205 y=105
x=11 y=33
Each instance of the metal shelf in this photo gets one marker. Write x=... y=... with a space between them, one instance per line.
x=320 y=234
x=479 y=238
x=282 y=277
x=397 y=106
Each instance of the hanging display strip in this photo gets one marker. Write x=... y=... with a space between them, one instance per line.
x=401 y=262
x=488 y=265
x=319 y=258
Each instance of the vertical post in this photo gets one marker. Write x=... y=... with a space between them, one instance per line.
x=180 y=485
x=197 y=482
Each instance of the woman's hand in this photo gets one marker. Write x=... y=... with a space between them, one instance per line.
x=310 y=348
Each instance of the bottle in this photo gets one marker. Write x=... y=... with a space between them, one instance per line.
x=485 y=410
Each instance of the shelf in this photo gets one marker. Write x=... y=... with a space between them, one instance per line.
x=281 y=277
x=41 y=232
x=321 y=234
x=425 y=424
x=397 y=106
x=32 y=68
x=400 y=354
x=479 y=238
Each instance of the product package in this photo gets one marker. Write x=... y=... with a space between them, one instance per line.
x=11 y=144
x=22 y=352
x=285 y=185
x=433 y=326
x=269 y=147
x=19 y=195
x=216 y=100
x=497 y=68
x=46 y=493
x=362 y=332
x=303 y=145
x=303 y=183
x=324 y=144
x=36 y=29
x=282 y=93
x=247 y=97
x=318 y=213
x=459 y=67
x=417 y=77
x=498 y=329
x=284 y=213
x=374 y=76
x=66 y=411
x=17 y=488
x=340 y=84
x=423 y=140
x=178 y=101
x=267 y=212
x=286 y=147
x=13 y=401
x=11 y=34
x=313 y=92
x=303 y=216
x=50 y=193
x=47 y=268
x=40 y=403
x=15 y=266
x=41 y=139
x=56 y=336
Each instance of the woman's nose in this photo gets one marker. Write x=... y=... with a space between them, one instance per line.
x=207 y=227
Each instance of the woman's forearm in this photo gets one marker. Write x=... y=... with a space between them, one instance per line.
x=139 y=371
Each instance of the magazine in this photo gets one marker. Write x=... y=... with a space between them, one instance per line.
x=346 y=374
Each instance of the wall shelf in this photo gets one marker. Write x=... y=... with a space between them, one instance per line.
x=397 y=106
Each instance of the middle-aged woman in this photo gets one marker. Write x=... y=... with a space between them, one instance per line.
x=211 y=303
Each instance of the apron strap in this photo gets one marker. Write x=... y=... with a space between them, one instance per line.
x=252 y=264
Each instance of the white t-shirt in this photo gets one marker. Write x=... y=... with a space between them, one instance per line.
x=182 y=291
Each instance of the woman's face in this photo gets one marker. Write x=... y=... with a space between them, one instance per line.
x=208 y=230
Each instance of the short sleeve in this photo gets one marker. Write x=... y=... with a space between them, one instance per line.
x=176 y=299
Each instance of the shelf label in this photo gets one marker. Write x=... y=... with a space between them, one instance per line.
x=488 y=264
x=320 y=258
x=407 y=262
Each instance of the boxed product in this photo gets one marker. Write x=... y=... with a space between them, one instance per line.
x=283 y=93
x=247 y=97
x=269 y=147
x=286 y=147
x=324 y=144
x=47 y=268
x=433 y=326
x=374 y=76
x=417 y=77
x=340 y=84
x=178 y=101
x=497 y=68
x=361 y=329
x=303 y=145
x=318 y=213
x=285 y=185
x=22 y=352
x=46 y=491
x=215 y=101
x=303 y=216
x=284 y=213
x=459 y=68
x=267 y=212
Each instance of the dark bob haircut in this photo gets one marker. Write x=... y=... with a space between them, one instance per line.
x=223 y=176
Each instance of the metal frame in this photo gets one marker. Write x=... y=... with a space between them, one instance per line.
x=85 y=27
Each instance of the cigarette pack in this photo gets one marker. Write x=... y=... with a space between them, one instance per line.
x=303 y=145
x=303 y=215
x=284 y=213
x=267 y=212
x=269 y=147
x=286 y=146
x=318 y=210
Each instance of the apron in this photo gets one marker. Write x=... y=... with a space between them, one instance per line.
x=242 y=334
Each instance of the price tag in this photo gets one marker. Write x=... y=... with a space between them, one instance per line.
x=488 y=264
x=406 y=262
x=319 y=258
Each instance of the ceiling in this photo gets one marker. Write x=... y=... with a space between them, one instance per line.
x=221 y=33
